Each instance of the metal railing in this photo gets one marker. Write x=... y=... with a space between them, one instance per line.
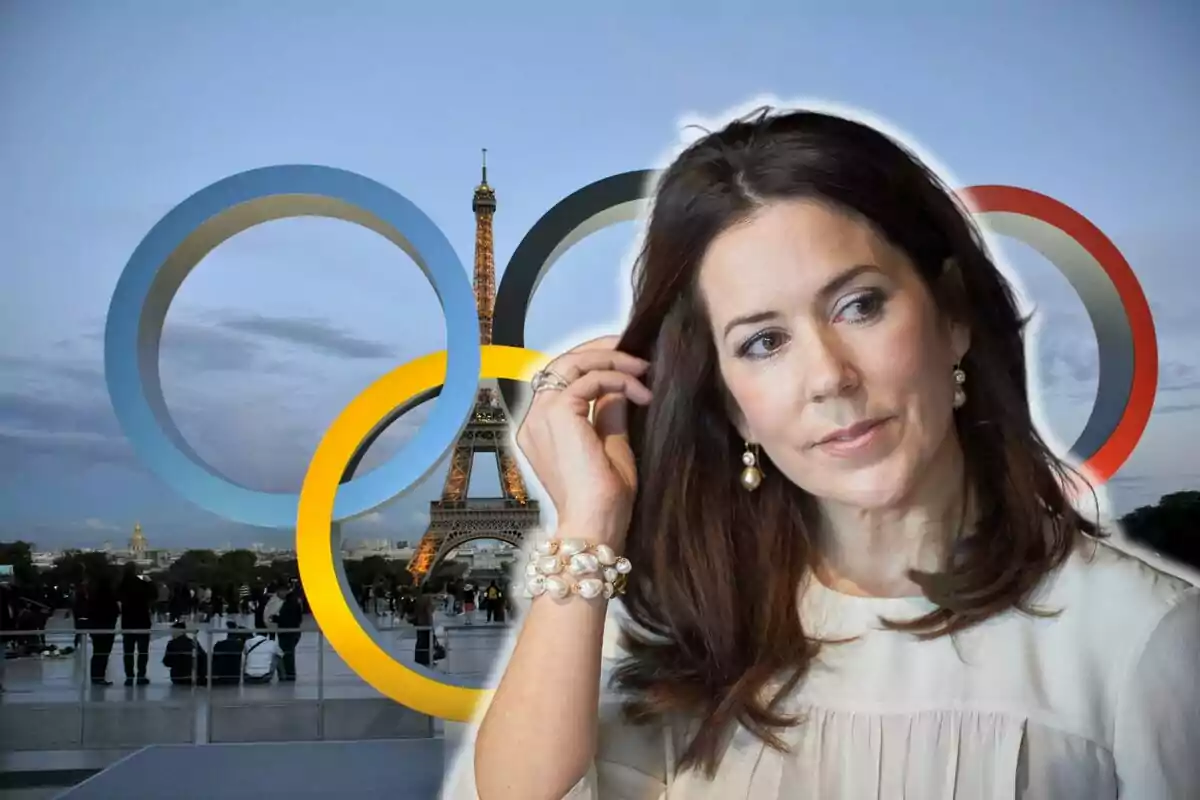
x=218 y=710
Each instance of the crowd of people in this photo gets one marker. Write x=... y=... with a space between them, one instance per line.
x=133 y=604
x=459 y=599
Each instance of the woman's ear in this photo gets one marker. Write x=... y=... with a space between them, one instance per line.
x=952 y=298
x=960 y=340
x=736 y=418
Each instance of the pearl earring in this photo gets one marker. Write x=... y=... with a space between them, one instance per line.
x=960 y=394
x=751 y=476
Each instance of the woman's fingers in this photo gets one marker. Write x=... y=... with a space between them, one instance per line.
x=573 y=365
x=594 y=385
x=599 y=343
x=610 y=417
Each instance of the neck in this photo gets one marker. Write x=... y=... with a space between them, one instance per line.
x=870 y=551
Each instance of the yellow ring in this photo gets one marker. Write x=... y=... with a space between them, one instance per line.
x=318 y=568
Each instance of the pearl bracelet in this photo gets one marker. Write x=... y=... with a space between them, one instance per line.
x=596 y=570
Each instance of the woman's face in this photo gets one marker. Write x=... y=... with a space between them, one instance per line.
x=836 y=358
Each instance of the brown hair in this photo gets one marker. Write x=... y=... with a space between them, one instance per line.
x=715 y=593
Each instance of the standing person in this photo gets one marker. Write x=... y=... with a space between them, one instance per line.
x=500 y=604
x=261 y=598
x=289 y=619
x=181 y=600
x=468 y=603
x=271 y=610
x=423 y=620
x=204 y=597
x=137 y=597
x=79 y=610
x=162 y=607
x=406 y=605
x=492 y=602
x=852 y=565
x=103 y=611
x=7 y=623
x=217 y=605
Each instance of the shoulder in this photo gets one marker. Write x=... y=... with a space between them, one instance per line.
x=1117 y=615
x=1115 y=584
x=1154 y=687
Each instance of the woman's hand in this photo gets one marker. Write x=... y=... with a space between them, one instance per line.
x=586 y=465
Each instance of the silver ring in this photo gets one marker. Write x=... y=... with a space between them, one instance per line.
x=547 y=379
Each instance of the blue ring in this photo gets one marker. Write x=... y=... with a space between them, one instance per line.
x=181 y=239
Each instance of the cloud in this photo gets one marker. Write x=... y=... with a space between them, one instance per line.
x=311 y=332
x=55 y=413
x=25 y=368
x=80 y=449
x=57 y=408
x=1175 y=408
x=260 y=433
x=1065 y=360
x=1063 y=363
x=1174 y=376
x=192 y=345
x=94 y=524
x=208 y=348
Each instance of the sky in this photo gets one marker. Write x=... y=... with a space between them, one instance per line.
x=114 y=112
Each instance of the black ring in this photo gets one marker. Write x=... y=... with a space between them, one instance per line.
x=617 y=198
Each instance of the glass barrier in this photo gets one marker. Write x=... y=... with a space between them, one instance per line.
x=206 y=683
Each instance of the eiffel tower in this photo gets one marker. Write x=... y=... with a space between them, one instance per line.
x=456 y=519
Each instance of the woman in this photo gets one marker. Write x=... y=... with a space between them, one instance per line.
x=852 y=568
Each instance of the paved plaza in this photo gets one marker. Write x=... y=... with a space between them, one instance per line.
x=388 y=770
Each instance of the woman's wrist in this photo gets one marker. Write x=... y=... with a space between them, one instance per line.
x=564 y=565
x=595 y=532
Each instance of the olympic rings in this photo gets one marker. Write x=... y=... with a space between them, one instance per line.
x=425 y=691
x=1093 y=265
x=175 y=245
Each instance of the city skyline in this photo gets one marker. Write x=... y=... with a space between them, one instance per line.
x=126 y=111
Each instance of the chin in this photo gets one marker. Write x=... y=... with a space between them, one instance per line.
x=879 y=487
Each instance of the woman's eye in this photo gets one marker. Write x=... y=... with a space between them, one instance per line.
x=762 y=345
x=860 y=308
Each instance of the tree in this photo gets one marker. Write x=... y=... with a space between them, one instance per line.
x=20 y=556
x=374 y=570
x=74 y=567
x=194 y=567
x=449 y=572
x=236 y=567
x=1169 y=527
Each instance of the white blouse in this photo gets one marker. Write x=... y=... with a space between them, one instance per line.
x=1098 y=703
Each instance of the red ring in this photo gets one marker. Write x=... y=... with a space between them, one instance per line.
x=1115 y=451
